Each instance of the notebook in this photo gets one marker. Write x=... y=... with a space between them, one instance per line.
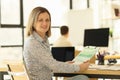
x=86 y=54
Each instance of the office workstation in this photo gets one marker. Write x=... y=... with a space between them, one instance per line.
x=80 y=15
x=111 y=71
x=97 y=70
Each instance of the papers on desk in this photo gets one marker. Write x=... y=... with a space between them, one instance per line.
x=105 y=67
x=86 y=54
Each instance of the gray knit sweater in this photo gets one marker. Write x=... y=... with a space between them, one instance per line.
x=39 y=62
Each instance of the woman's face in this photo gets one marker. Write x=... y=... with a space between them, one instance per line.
x=43 y=23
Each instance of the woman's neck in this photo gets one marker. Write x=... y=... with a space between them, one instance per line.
x=41 y=35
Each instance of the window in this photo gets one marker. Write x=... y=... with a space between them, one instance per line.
x=10 y=12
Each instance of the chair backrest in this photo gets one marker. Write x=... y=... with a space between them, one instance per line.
x=63 y=53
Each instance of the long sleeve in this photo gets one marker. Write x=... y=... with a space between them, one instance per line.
x=40 y=63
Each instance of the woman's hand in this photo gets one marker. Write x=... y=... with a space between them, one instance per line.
x=84 y=66
x=71 y=62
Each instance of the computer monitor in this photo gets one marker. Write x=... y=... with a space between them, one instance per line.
x=96 y=37
x=63 y=53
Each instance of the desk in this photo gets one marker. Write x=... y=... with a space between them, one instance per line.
x=117 y=56
x=3 y=70
x=18 y=71
x=92 y=73
x=15 y=68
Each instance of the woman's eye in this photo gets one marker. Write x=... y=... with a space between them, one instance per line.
x=40 y=20
x=47 y=20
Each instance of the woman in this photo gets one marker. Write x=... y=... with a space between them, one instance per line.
x=38 y=59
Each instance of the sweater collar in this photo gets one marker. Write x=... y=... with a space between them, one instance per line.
x=38 y=37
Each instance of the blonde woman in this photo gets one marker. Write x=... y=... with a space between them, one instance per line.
x=39 y=62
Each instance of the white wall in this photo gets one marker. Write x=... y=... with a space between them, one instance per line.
x=78 y=20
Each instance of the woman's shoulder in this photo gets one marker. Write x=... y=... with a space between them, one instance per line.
x=30 y=40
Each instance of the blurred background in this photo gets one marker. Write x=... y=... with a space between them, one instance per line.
x=77 y=14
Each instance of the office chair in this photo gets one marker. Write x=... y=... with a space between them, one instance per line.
x=63 y=53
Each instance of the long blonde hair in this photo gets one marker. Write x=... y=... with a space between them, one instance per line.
x=30 y=28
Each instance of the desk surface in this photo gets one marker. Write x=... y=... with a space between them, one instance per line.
x=3 y=67
x=17 y=69
x=117 y=56
x=92 y=73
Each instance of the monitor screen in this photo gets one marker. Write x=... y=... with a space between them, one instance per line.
x=96 y=37
x=63 y=53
